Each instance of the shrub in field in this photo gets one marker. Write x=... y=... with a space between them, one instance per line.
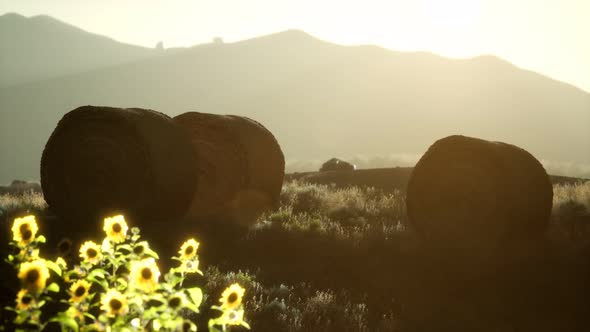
x=571 y=212
x=117 y=286
x=29 y=200
x=352 y=206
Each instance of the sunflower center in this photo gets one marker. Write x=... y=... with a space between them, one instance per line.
x=146 y=273
x=26 y=299
x=189 y=250
x=186 y=327
x=233 y=297
x=116 y=227
x=64 y=246
x=138 y=249
x=91 y=252
x=80 y=291
x=115 y=304
x=25 y=232
x=32 y=276
x=174 y=302
x=232 y=315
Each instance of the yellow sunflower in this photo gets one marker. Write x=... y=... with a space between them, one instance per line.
x=144 y=274
x=115 y=228
x=191 y=266
x=231 y=297
x=24 y=230
x=232 y=317
x=90 y=251
x=188 y=326
x=75 y=273
x=188 y=249
x=24 y=300
x=64 y=246
x=34 y=275
x=75 y=313
x=114 y=303
x=140 y=248
x=79 y=291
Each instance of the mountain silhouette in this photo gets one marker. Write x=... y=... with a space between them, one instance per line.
x=42 y=47
x=318 y=98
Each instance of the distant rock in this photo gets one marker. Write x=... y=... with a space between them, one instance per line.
x=336 y=164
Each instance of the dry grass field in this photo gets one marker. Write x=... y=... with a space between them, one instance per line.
x=347 y=259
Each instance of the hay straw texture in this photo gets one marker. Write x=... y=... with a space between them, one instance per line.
x=241 y=166
x=103 y=160
x=471 y=193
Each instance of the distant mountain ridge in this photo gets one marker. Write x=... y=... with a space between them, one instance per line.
x=319 y=99
x=41 y=47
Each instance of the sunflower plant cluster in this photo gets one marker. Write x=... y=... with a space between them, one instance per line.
x=116 y=285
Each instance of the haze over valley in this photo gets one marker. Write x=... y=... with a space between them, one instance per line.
x=320 y=99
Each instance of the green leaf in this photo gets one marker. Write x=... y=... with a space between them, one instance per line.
x=96 y=273
x=41 y=239
x=53 y=288
x=196 y=295
x=191 y=307
x=125 y=247
x=89 y=315
x=122 y=282
x=151 y=253
x=212 y=326
x=53 y=267
x=99 y=282
x=65 y=321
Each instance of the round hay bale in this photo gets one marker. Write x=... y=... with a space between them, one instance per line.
x=241 y=166
x=102 y=160
x=471 y=193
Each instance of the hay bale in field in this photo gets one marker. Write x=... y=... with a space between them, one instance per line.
x=103 y=160
x=471 y=193
x=241 y=166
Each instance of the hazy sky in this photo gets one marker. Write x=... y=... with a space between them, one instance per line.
x=548 y=36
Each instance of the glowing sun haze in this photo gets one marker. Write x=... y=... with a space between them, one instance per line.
x=550 y=36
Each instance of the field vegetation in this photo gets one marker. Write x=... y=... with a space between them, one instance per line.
x=347 y=259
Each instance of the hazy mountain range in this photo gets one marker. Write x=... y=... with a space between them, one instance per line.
x=318 y=98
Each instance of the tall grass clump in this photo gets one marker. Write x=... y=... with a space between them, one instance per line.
x=293 y=308
x=353 y=206
x=28 y=201
x=570 y=218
